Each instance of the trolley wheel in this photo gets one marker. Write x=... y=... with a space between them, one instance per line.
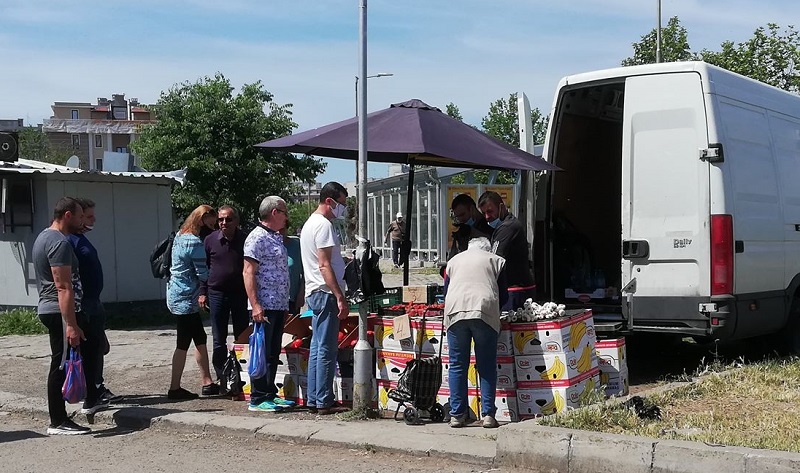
x=437 y=413
x=411 y=416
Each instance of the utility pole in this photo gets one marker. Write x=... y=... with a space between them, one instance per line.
x=658 y=34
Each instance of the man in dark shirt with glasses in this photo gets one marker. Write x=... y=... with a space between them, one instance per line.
x=224 y=294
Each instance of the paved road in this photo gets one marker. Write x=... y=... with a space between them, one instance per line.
x=24 y=449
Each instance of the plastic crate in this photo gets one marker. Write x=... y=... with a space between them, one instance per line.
x=391 y=296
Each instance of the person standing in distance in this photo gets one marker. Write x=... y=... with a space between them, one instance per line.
x=397 y=233
x=323 y=268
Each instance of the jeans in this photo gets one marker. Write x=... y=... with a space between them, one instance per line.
x=459 y=337
x=56 y=376
x=96 y=317
x=396 y=251
x=324 y=348
x=263 y=388
x=223 y=307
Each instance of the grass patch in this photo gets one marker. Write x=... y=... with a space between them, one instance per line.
x=21 y=322
x=353 y=415
x=756 y=406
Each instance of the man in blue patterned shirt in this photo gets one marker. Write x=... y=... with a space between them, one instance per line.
x=266 y=280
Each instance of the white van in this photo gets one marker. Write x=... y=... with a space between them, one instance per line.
x=678 y=210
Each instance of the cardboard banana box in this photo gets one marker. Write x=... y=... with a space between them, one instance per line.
x=548 y=400
x=549 y=369
x=385 y=339
x=566 y=334
x=612 y=355
x=616 y=382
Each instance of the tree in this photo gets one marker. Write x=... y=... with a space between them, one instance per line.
x=33 y=144
x=502 y=122
x=208 y=130
x=770 y=56
x=452 y=110
x=674 y=46
x=298 y=214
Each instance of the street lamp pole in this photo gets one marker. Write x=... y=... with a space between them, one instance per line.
x=658 y=34
x=380 y=74
x=362 y=353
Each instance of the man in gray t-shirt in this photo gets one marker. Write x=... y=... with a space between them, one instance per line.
x=58 y=280
x=52 y=249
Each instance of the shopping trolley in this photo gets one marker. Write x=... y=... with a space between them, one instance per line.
x=419 y=385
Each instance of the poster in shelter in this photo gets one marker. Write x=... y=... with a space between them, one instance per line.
x=506 y=192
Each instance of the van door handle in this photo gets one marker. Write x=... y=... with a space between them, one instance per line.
x=632 y=249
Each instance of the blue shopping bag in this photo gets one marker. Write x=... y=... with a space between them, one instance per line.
x=257 y=367
x=74 y=389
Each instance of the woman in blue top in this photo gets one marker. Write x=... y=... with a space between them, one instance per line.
x=183 y=288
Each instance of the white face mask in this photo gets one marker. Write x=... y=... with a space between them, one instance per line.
x=340 y=211
x=88 y=228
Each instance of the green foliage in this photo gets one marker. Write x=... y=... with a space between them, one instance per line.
x=298 y=214
x=674 y=46
x=502 y=122
x=452 y=110
x=33 y=144
x=20 y=322
x=208 y=130
x=771 y=56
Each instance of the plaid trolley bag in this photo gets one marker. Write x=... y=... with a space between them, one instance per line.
x=419 y=385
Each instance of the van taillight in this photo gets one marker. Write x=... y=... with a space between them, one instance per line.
x=721 y=254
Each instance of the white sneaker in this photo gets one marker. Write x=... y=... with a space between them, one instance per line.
x=489 y=422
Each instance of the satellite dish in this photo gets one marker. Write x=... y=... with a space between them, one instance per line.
x=73 y=162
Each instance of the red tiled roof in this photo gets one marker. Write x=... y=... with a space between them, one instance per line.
x=139 y=110
x=100 y=109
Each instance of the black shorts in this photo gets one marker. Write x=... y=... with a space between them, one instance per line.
x=190 y=328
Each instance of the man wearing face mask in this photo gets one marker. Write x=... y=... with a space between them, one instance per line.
x=510 y=242
x=323 y=268
x=91 y=272
x=470 y=223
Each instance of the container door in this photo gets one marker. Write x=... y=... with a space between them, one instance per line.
x=665 y=192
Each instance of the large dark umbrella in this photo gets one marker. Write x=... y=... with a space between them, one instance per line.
x=412 y=133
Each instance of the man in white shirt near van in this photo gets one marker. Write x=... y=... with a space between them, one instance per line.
x=323 y=267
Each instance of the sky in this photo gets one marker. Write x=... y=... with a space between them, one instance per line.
x=306 y=52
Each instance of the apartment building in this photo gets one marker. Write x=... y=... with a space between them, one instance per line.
x=99 y=134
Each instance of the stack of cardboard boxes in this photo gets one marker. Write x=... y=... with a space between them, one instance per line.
x=392 y=356
x=556 y=364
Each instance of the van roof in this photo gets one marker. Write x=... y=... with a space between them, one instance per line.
x=716 y=80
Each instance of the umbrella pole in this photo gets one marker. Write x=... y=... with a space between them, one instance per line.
x=406 y=248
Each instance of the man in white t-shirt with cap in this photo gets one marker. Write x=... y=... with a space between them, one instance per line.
x=323 y=268
x=397 y=233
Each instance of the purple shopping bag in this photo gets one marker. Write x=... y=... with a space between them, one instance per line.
x=74 y=389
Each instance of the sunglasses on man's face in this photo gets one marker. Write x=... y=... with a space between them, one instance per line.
x=225 y=219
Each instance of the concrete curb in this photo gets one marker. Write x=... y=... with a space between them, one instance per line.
x=370 y=435
x=522 y=445
x=553 y=449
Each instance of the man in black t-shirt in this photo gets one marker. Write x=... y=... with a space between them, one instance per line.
x=509 y=241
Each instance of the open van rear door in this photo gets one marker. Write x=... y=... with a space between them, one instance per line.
x=665 y=198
